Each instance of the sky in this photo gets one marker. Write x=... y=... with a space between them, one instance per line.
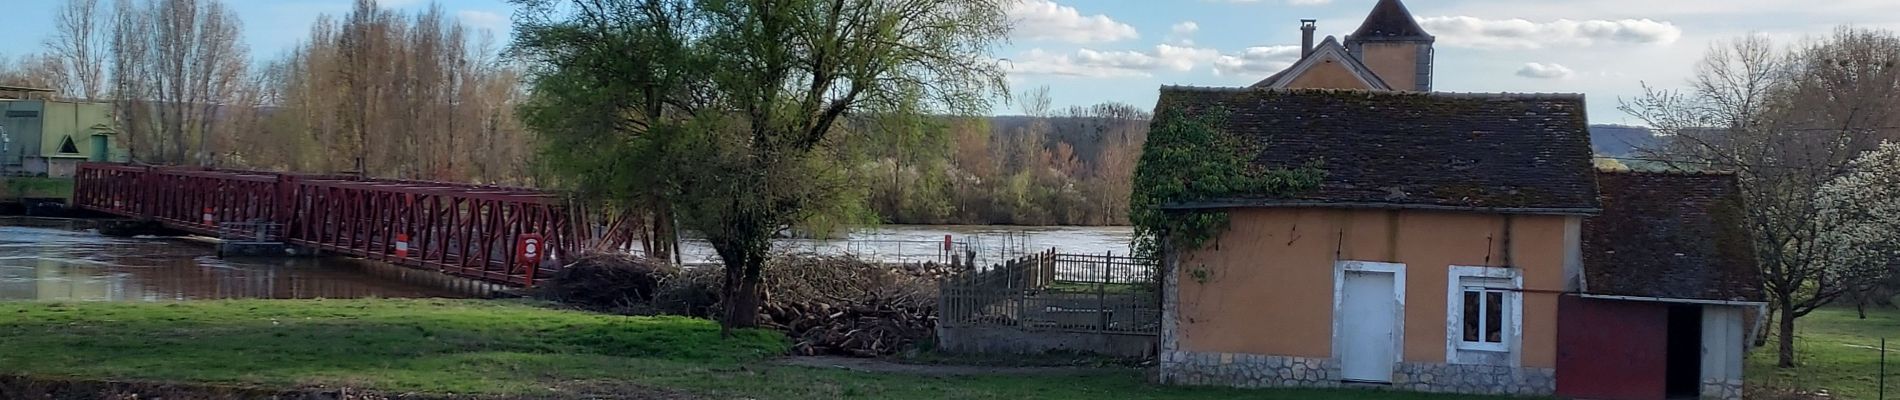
x=1094 y=51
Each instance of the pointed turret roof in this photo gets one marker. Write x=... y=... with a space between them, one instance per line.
x=1389 y=20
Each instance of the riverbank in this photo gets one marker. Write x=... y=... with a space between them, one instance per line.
x=485 y=349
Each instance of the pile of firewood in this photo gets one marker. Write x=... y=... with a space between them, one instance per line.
x=861 y=329
x=840 y=305
x=827 y=304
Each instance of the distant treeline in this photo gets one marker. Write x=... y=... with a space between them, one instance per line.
x=1064 y=167
x=388 y=93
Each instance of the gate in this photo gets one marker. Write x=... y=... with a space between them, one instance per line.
x=1053 y=301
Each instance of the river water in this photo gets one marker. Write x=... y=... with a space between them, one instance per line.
x=53 y=263
x=59 y=264
x=918 y=243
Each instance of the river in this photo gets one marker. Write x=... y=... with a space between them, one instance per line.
x=53 y=263
x=918 y=243
x=67 y=265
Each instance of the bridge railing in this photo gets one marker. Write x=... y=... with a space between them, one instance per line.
x=466 y=230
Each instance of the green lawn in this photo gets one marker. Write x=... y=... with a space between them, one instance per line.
x=488 y=347
x=1835 y=352
x=17 y=187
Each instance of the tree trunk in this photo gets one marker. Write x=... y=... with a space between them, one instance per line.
x=745 y=266
x=1786 y=341
x=1762 y=330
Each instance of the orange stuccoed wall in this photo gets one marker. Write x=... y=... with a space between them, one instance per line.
x=1266 y=285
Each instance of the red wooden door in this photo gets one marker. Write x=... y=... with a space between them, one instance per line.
x=1611 y=350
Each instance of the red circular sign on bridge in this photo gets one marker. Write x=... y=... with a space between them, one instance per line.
x=529 y=250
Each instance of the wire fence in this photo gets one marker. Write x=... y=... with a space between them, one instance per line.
x=1055 y=291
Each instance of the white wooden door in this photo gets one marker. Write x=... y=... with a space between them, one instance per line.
x=1368 y=324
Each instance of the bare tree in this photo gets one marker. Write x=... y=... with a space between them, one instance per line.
x=34 y=71
x=80 y=42
x=178 y=63
x=1787 y=123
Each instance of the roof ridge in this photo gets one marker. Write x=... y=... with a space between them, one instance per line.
x=1669 y=173
x=1455 y=95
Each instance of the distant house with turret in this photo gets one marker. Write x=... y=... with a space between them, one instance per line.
x=1390 y=51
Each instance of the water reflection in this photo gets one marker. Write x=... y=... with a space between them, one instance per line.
x=56 y=264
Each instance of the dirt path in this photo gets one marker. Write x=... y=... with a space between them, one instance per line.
x=876 y=365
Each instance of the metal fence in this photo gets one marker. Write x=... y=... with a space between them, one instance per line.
x=1048 y=290
x=251 y=232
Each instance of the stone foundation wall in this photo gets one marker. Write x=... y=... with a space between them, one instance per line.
x=1717 y=389
x=1474 y=379
x=1247 y=370
x=1263 y=371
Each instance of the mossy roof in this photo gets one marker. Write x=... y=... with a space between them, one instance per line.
x=1525 y=152
x=1670 y=235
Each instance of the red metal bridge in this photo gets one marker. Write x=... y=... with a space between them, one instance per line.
x=475 y=232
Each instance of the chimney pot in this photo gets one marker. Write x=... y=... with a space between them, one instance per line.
x=1307 y=27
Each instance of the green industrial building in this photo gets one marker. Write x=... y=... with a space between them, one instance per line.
x=40 y=137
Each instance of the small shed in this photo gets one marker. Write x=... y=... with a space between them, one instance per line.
x=1671 y=295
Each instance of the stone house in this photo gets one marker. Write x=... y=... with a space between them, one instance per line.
x=1459 y=242
x=1431 y=257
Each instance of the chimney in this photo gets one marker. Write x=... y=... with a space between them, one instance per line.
x=1307 y=26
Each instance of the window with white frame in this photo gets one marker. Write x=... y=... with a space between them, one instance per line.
x=1486 y=313
x=1482 y=325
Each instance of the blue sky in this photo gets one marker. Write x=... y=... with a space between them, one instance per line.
x=1092 y=51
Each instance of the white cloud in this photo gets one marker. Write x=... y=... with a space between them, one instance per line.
x=1090 y=63
x=1463 y=31
x=482 y=20
x=1183 y=33
x=1083 y=63
x=1546 y=71
x=1046 y=20
x=1257 y=61
x=1186 y=28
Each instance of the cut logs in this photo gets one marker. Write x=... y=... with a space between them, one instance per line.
x=841 y=305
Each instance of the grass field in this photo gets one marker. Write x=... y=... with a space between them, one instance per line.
x=490 y=347
x=17 y=187
x=1837 y=353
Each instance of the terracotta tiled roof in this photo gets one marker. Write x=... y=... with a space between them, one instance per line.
x=1389 y=20
x=1523 y=152
x=1670 y=235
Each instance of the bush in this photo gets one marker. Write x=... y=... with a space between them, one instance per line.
x=610 y=281
x=694 y=292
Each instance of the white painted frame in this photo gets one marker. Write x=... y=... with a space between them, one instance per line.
x=1454 y=312
x=1398 y=293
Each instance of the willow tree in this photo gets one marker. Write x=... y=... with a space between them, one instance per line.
x=724 y=110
